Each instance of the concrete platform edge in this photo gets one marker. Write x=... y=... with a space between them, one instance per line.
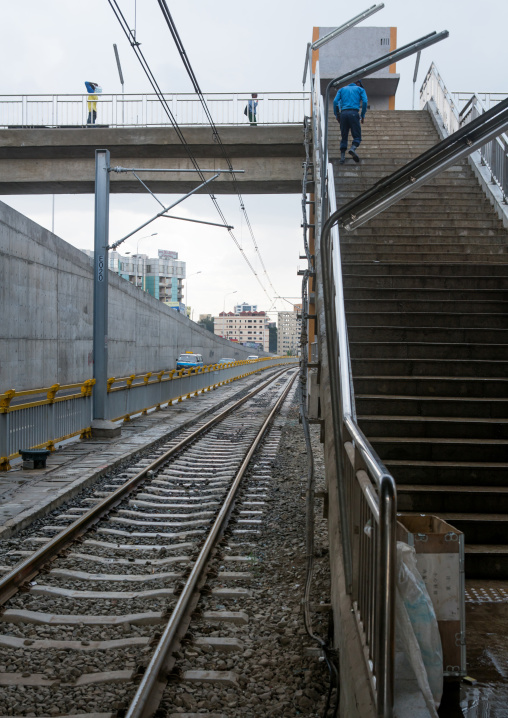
x=25 y=518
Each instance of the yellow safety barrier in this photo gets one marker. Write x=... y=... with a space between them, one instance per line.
x=58 y=393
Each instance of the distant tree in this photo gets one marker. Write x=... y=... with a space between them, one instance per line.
x=206 y=324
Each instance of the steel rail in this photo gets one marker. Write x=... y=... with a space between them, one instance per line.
x=10 y=583
x=149 y=693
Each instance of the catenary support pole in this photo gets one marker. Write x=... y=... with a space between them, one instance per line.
x=100 y=295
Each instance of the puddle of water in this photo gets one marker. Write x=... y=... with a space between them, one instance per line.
x=484 y=700
x=487 y=655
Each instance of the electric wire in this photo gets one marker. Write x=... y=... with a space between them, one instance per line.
x=215 y=133
x=160 y=95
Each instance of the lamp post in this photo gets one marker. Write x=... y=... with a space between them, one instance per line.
x=137 y=256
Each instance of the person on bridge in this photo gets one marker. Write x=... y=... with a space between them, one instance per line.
x=92 y=88
x=349 y=107
x=253 y=107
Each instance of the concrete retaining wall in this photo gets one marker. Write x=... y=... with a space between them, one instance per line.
x=46 y=316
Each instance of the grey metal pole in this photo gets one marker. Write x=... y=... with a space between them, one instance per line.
x=100 y=284
x=117 y=56
x=415 y=75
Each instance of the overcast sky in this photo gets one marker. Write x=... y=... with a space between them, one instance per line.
x=51 y=47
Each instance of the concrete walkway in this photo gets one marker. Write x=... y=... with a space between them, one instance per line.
x=26 y=495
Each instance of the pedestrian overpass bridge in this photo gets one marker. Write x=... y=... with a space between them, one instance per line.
x=46 y=147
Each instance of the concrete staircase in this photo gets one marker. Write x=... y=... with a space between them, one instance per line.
x=426 y=290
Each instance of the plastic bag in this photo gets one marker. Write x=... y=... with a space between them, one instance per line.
x=416 y=627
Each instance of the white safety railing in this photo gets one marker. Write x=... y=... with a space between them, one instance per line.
x=62 y=413
x=488 y=99
x=366 y=491
x=145 y=110
x=456 y=109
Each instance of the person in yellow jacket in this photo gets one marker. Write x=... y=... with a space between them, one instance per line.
x=92 y=98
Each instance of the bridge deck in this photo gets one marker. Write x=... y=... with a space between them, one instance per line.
x=62 y=160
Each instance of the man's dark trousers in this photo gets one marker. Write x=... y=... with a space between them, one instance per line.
x=350 y=120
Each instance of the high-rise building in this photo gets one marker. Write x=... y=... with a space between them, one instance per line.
x=160 y=276
x=288 y=331
x=249 y=328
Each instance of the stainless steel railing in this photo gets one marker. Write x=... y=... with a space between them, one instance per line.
x=44 y=417
x=366 y=491
x=458 y=109
x=145 y=110
x=494 y=155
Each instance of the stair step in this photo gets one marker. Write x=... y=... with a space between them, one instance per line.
x=422 y=257
x=490 y=298
x=418 y=305
x=433 y=427
x=436 y=449
x=438 y=334
x=428 y=320
x=428 y=406
x=432 y=386
x=450 y=270
x=370 y=280
x=449 y=472
x=437 y=499
x=463 y=368
x=489 y=353
x=486 y=561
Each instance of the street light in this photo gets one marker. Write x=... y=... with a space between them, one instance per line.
x=224 y=302
x=137 y=255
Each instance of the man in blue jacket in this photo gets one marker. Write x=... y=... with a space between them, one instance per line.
x=349 y=107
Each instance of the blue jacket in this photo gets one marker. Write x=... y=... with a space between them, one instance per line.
x=349 y=97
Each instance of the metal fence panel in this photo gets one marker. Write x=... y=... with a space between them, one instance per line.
x=50 y=421
x=146 y=110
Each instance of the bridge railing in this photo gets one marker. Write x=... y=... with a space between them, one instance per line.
x=456 y=109
x=145 y=110
x=44 y=417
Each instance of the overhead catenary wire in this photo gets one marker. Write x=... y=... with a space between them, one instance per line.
x=133 y=41
x=216 y=136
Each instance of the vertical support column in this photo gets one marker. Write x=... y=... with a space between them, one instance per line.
x=100 y=426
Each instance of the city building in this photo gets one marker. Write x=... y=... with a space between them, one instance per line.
x=249 y=327
x=244 y=307
x=160 y=276
x=288 y=331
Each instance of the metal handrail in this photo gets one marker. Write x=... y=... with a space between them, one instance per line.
x=364 y=485
x=145 y=110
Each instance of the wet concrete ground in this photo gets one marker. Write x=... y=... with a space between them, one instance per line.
x=487 y=655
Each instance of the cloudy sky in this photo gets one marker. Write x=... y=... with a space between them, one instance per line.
x=51 y=47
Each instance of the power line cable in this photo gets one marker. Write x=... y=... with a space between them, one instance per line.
x=151 y=78
x=216 y=136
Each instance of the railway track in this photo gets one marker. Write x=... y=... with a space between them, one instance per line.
x=96 y=609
